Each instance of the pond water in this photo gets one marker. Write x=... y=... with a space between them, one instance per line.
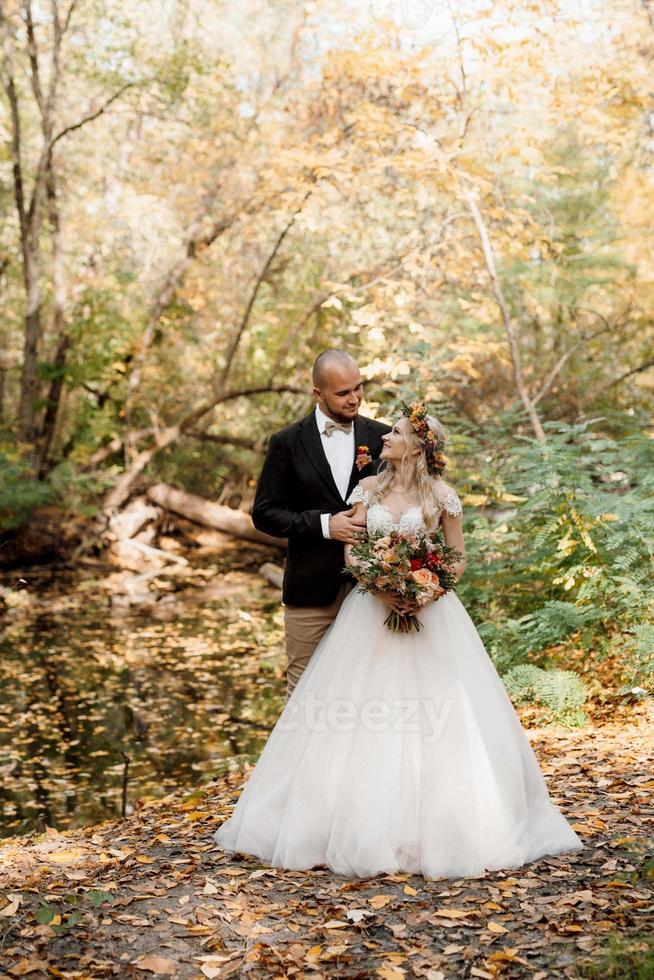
x=166 y=698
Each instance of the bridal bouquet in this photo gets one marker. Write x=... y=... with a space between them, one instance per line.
x=407 y=567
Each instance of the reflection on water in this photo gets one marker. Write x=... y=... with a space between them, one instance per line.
x=82 y=691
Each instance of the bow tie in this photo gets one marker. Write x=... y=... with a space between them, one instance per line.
x=331 y=426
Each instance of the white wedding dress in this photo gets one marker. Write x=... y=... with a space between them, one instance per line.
x=398 y=752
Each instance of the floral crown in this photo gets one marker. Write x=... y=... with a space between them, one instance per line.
x=432 y=443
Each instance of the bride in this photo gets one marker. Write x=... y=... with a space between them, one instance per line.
x=399 y=751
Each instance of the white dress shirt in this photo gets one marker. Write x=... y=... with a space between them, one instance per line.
x=339 y=450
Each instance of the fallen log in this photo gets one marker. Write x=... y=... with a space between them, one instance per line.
x=132 y=518
x=201 y=511
x=272 y=573
x=208 y=540
x=137 y=556
x=127 y=589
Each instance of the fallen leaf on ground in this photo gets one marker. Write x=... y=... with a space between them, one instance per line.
x=495 y=927
x=160 y=965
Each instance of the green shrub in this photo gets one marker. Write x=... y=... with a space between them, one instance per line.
x=20 y=492
x=640 y=655
x=624 y=957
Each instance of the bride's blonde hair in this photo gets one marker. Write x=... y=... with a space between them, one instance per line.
x=428 y=486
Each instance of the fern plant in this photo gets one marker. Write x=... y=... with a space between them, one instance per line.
x=570 y=558
x=562 y=692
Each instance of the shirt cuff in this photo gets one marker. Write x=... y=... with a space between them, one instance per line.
x=324 y=520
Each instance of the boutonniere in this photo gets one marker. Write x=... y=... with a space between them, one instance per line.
x=363 y=457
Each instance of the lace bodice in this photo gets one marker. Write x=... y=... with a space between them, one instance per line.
x=380 y=519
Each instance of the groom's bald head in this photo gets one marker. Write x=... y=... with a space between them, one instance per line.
x=332 y=358
x=338 y=385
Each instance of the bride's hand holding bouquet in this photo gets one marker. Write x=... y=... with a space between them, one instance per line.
x=406 y=571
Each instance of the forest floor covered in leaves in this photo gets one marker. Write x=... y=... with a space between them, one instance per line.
x=153 y=895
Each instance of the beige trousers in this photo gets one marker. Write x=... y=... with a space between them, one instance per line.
x=305 y=627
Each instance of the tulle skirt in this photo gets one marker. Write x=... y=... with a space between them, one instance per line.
x=398 y=752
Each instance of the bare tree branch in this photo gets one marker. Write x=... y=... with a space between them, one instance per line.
x=556 y=369
x=69 y=15
x=370 y=277
x=91 y=116
x=116 y=444
x=627 y=374
x=226 y=440
x=506 y=317
x=242 y=326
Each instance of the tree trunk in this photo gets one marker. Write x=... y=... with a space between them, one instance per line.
x=29 y=204
x=59 y=298
x=29 y=382
x=3 y=375
x=272 y=573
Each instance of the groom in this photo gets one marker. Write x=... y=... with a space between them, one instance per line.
x=309 y=472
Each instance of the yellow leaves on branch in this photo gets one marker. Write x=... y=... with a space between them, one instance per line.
x=473 y=353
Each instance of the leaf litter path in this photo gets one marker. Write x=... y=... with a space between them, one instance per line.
x=152 y=895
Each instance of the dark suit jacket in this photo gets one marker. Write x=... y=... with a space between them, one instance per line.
x=295 y=487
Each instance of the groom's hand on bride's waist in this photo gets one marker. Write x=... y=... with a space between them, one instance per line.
x=344 y=527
